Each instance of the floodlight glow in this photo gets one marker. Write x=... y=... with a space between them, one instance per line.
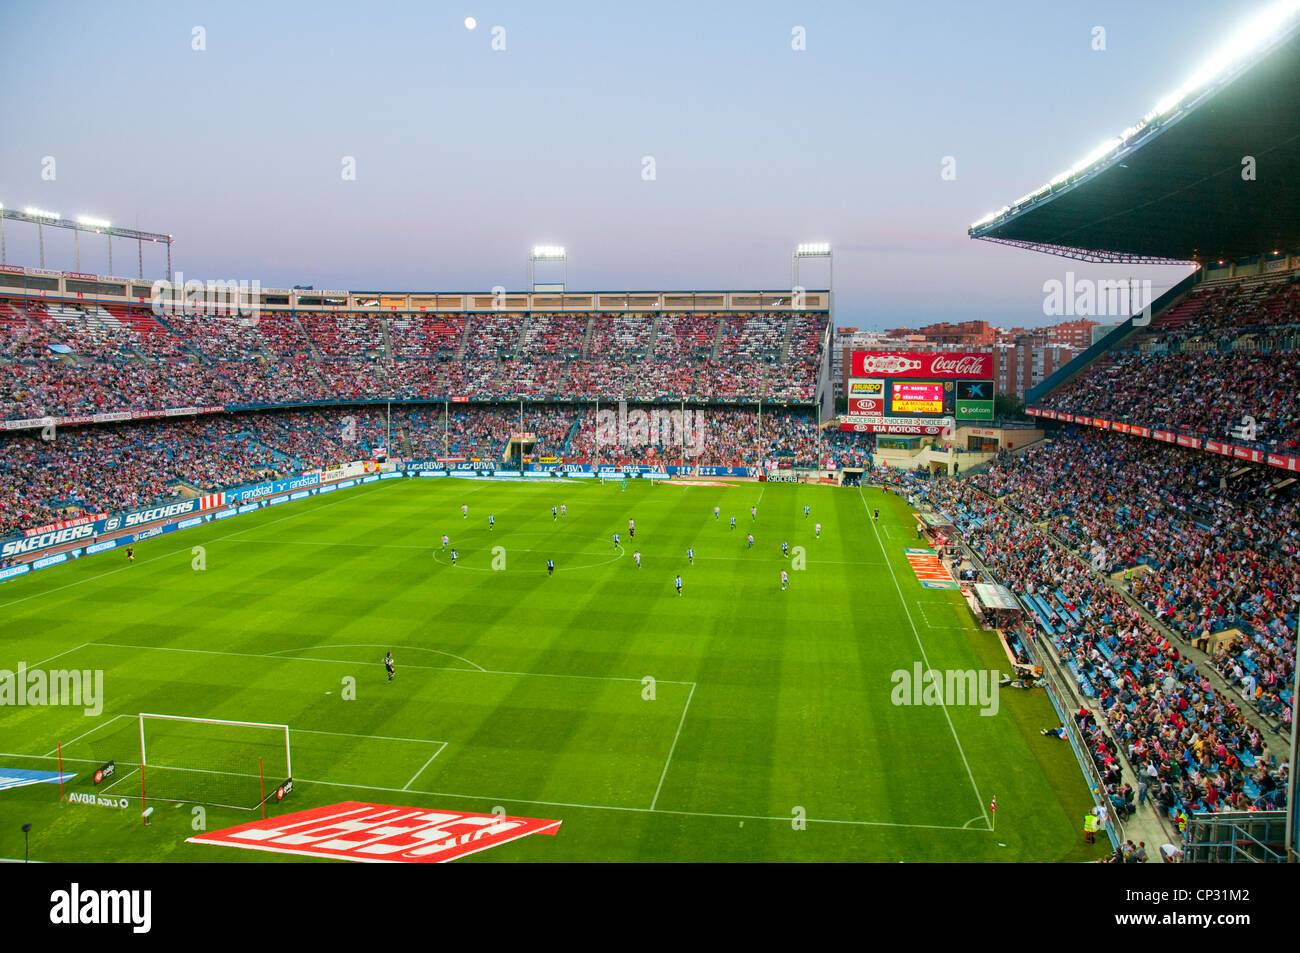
x=1252 y=37
x=548 y=251
x=812 y=249
x=93 y=222
x=40 y=213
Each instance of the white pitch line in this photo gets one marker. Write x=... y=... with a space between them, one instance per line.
x=681 y=721
x=407 y=785
x=917 y=635
x=335 y=661
x=586 y=807
x=348 y=734
x=371 y=645
x=90 y=732
x=60 y=655
x=118 y=781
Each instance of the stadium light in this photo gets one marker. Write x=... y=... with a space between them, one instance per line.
x=812 y=249
x=548 y=253
x=41 y=213
x=90 y=222
x=1249 y=40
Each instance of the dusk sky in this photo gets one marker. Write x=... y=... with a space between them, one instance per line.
x=466 y=156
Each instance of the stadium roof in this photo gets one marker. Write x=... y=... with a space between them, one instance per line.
x=1175 y=187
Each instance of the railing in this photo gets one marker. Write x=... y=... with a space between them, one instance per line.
x=1236 y=837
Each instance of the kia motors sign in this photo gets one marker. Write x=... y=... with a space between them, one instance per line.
x=378 y=833
x=920 y=364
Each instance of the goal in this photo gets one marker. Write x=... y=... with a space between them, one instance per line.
x=235 y=764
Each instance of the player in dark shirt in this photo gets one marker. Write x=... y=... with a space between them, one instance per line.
x=388 y=664
x=130 y=554
x=550 y=567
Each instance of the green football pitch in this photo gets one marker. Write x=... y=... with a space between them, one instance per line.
x=736 y=721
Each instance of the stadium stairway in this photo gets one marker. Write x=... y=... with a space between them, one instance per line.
x=464 y=339
x=654 y=334
x=786 y=338
x=717 y=340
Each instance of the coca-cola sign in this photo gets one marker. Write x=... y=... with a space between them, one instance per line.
x=946 y=364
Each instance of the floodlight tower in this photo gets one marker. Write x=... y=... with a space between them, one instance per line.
x=548 y=253
x=83 y=223
x=41 y=218
x=805 y=250
x=100 y=227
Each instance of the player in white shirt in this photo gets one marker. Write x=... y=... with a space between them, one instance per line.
x=751 y=541
x=785 y=580
x=637 y=558
x=819 y=530
x=464 y=512
x=445 y=541
x=715 y=512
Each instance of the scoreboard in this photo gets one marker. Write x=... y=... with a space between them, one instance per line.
x=917 y=393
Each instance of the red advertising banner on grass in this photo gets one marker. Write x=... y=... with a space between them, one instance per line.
x=378 y=833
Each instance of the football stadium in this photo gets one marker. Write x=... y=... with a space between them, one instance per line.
x=546 y=573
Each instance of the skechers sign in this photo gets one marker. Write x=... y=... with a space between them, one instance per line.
x=29 y=544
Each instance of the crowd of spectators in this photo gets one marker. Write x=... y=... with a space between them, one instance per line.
x=1219 y=365
x=48 y=474
x=1216 y=544
x=1190 y=744
x=69 y=361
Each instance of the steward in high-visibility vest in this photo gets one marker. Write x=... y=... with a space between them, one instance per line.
x=1089 y=827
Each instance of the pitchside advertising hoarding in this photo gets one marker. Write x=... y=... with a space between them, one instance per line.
x=913 y=393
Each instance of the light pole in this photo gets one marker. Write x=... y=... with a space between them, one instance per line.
x=548 y=253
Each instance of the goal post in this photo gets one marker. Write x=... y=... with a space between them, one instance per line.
x=212 y=760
